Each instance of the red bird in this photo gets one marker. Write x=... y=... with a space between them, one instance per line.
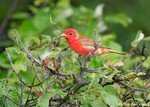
x=83 y=45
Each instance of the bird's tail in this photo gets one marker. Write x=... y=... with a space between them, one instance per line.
x=114 y=51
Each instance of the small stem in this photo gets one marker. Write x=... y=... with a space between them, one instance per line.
x=18 y=75
x=11 y=100
x=21 y=95
x=36 y=73
x=19 y=43
x=133 y=88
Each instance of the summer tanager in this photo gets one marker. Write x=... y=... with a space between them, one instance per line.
x=83 y=45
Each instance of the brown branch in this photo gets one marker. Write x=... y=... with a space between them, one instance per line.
x=18 y=75
x=3 y=101
x=139 y=65
x=21 y=95
x=36 y=72
x=20 y=45
x=82 y=67
x=80 y=82
x=146 y=85
x=17 y=40
x=11 y=100
x=132 y=88
x=29 y=92
x=127 y=96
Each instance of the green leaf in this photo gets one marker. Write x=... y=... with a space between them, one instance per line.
x=130 y=74
x=85 y=105
x=14 y=50
x=36 y=24
x=4 y=62
x=43 y=101
x=110 y=97
x=99 y=10
x=54 y=54
x=119 y=18
x=94 y=80
x=46 y=39
x=33 y=9
x=138 y=96
x=147 y=62
x=138 y=82
x=7 y=90
x=138 y=38
x=66 y=13
x=13 y=93
x=20 y=65
x=3 y=87
x=33 y=40
x=20 y=15
x=116 y=46
x=98 y=104
x=143 y=47
x=86 y=98
x=109 y=38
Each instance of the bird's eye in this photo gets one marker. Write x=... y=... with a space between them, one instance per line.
x=70 y=34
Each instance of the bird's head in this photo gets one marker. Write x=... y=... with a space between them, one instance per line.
x=70 y=33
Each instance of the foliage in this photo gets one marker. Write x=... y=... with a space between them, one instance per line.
x=43 y=71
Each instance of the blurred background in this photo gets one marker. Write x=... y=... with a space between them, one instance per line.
x=119 y=20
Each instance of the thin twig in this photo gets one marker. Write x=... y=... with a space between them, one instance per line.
x=79 y=80
x=133 y=88
x=36 y=72
x=139 y=65
x=10 y=60
x=18 y=75
x=19 y=43
x=17 y=40
x=11 y=100
x=21 y=95
x=82 y=67
x=147 y=82
x=3 y=101
x=29 y=92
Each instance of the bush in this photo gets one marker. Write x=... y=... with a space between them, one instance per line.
x=43 y=71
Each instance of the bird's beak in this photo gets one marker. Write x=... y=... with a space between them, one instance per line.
x=62 y=35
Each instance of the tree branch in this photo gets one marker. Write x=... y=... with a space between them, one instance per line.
x=11 y=100
x=20 y=45
x=133 y=88
x=18 y=75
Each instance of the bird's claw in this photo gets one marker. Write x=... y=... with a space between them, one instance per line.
x=90 y=53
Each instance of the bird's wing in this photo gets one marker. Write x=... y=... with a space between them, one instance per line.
x=89 y=43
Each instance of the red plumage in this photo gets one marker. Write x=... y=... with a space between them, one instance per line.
x=83 y=45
